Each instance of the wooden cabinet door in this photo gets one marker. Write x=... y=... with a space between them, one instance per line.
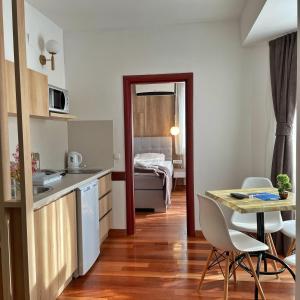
x=37 y=91
x=46 y=252
x=67 y=238
x=38 y=94
x=105 y=205
x=105 y=185
x=105 y=225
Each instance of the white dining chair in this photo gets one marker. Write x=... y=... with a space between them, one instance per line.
x=291 y=260
x=247 y=222
x=289 y=229
x=216 y=232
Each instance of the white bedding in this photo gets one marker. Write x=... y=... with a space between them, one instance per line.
x=150 y=156
x=155 y=163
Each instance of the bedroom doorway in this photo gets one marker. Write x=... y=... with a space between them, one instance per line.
x=159 y=147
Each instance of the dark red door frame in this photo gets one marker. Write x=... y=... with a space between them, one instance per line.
x=128 y=82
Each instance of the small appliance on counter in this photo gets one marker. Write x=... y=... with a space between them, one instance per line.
x=74 y=160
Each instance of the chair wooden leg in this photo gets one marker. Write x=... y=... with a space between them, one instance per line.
x=233 y=266
x=272 y=251
x=205 y=268
x=291 y=247
x=273 y=245
x=226 y=276
x=255 y=277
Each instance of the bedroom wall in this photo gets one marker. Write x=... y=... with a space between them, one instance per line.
x=153 y=115
x=44 y=134
x=212 y=51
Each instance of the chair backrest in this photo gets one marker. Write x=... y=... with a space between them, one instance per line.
x=256 y=182
x=213 y=224
x=227 y=212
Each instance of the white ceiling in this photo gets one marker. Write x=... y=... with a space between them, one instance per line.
x=276 y=18
x=73 y=15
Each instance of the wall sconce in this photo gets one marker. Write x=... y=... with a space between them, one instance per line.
x=174 y=130
x=52 y=47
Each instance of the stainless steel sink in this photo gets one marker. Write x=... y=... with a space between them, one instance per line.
x=37 y=190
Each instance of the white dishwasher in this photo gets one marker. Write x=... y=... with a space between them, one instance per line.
x=88 y=226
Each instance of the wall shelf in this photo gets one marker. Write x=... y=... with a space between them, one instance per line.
x=57 y=116
x=52 y=116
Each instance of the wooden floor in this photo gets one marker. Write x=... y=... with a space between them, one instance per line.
x=160 y=263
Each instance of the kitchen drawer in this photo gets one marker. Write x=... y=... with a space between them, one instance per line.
x=105 y=205
x=104 y=185
x=105 y=224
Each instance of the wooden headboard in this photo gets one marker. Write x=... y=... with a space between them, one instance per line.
x=153 y=116
x=154 y=145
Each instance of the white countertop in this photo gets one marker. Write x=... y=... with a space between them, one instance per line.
x=66 y=185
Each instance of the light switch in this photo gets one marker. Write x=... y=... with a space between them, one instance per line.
x=117 y=156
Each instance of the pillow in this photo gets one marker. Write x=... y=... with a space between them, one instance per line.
x=150 y=156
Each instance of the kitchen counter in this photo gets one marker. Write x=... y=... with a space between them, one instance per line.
x=67 y=184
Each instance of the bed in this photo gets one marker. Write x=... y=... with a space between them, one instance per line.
x=153 y=171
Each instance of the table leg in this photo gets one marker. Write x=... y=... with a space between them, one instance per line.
x=260 y=219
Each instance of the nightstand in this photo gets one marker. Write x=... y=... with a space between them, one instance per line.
x=178 y=173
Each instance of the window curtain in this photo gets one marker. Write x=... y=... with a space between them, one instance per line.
x=283 y=68
x=180 y=120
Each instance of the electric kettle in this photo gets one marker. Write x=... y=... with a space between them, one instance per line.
x=74 y=160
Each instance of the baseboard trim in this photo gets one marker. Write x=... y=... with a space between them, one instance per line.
x=117 y=232
x=199 y=234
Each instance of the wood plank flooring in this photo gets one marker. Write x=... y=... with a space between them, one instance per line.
x=160 y=263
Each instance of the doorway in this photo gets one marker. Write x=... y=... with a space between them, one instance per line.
x=128 y=85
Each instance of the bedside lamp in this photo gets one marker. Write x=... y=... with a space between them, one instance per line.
x=174 y=130
x=52 y=47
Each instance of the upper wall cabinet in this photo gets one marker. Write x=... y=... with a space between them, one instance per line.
x=37 y=91
x=38 y=94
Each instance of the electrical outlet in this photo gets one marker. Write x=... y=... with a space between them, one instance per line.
x=177 y=161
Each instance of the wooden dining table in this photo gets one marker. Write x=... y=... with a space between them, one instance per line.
x=260 y=207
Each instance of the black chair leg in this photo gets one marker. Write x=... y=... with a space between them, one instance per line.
x=265 y=265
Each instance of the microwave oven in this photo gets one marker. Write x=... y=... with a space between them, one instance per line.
x=58 y=100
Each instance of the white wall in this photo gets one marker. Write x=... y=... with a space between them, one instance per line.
x=45 y=135
x=249 y=15
x=257 y=92
x=96 y=62
x=263 y=20
x=39 y=29
x=49 y=138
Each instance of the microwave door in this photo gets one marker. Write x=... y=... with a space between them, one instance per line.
x=59 y=100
